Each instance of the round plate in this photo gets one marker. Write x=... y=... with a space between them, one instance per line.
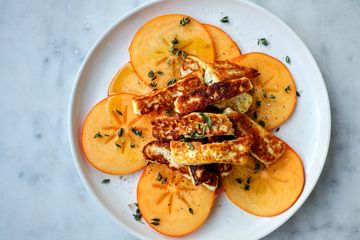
x=307 y=131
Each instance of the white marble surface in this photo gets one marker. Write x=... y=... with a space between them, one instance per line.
x=42 y=44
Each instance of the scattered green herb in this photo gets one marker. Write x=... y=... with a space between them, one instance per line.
x=132 y=145
x=151 y=74
x=164 y=180
x=120 y=132
x=184 y=55
x=191 y=211
x=158 y=177
x=171 y=82
x=247 y=187
x=118 y=112
x=191 y=147
x=225 y=19
x=159 y=72
x=98 y=135
x=184 y=21
x=249 y=179
x=105 y=181
x=118 y=145
x=258 y=103
x=156 y=219
x=155 y=223
x=262 y=41
x=287 y=59
x=174 y=41
x=288 y=89
x=106 y=135
x=277 y=129
x=153 y=85
x=264 y=94
x=297 y=94
x=238 y=180
x=255 y=115
x=136 y=131
x=272 y=96
x=206 y=119
x=137 y=215
x=262 y=123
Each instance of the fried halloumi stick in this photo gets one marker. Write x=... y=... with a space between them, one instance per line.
x=201 y=97
x=194 y=125
x=163 y=98
x=196 y=153
x=266 y=147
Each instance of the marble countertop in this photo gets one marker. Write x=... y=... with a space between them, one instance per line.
x=42 y=44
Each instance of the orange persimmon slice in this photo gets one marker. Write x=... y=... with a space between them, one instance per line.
x=126 y=81
x=159 y=46
x=170 y=203
x=274 y=99
x=113 y=136
x=225 y=47
x=266 y=191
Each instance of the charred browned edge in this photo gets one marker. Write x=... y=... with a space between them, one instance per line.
x=165 y=96
x=159 y=158
x=208 y=174
x=243 y=124
x=227 y=70
x=211 y=94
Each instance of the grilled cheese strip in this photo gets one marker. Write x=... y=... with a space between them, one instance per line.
x=224 y=70
x=162 y=98
x=201 y=97
x=227 y=152
x=218 y=71
x=266 y=147
x=209 y=176
x=194 y=125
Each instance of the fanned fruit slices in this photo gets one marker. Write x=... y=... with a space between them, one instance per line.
x=170 y=203
x=160 y=45
x=113 y=136
x=266 y=191
x=225 y=47
x=274 y=99
x=126 y=81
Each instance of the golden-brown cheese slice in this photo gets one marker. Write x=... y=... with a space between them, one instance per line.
x=227 y=152
x=266 y=147
x=218 y=71
x=224 y=70
x=208 y=175
x=162 y=98
x=203 y=96
x=194 y=125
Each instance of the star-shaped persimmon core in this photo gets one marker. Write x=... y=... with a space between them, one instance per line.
x=174 y=187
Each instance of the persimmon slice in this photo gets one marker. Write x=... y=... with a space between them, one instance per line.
x=225 y=47
x=170 y=203
x=126 y=81
x=274 y=99
x=113 y=136
x=159 y=46
x=266 y=191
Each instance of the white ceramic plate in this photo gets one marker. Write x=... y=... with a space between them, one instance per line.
x=307 y=131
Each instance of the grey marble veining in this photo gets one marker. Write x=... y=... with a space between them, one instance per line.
x=42 y=44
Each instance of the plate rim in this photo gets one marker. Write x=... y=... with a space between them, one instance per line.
x=75 y=151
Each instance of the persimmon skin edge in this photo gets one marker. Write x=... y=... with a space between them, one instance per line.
x=274 y=123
